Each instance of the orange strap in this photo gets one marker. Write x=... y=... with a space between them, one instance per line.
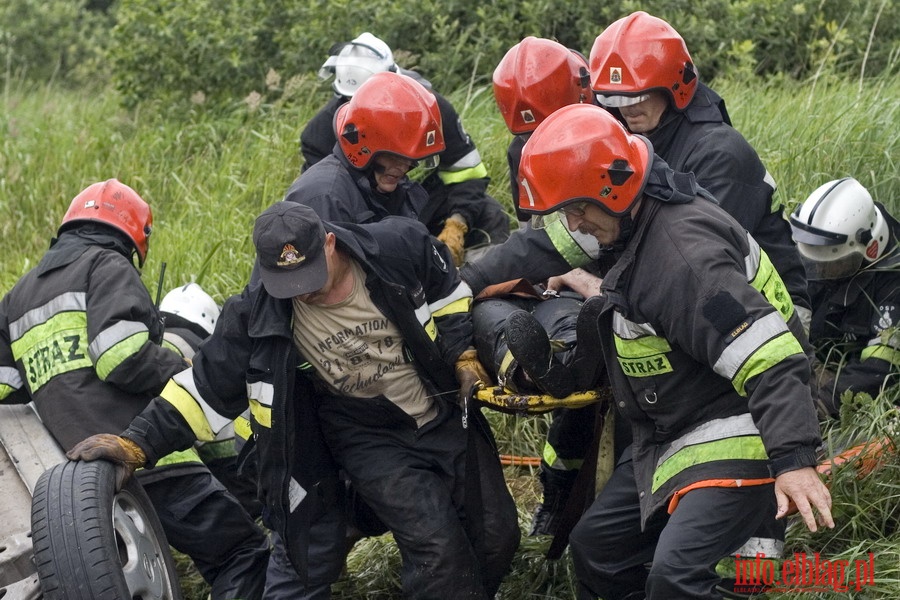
x=730 y=483
x=870 y=455
x=520 y=461
x=521 y=288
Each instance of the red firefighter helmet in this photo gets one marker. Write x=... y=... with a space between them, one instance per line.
x=389 y=113
x=637 y=54
x=536 y=77
x=117 y=205
x=582 y=153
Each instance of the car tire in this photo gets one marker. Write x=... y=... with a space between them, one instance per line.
x=92 y=542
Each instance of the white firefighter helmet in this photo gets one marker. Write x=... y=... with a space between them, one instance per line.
x=838 y=230
x=352 y=63
x=191 y=303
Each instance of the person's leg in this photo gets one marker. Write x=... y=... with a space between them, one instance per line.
x=708 y=524
x=327 y=549
x=496 y=509
x=609 y=550
x=408 y=477
x=282 y=580
x=489 y=323
x=568 y=438
x=202 y=520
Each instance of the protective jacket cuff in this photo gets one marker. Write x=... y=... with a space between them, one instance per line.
x=799 y=458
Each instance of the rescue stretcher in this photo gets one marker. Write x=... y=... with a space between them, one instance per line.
x=504 y=400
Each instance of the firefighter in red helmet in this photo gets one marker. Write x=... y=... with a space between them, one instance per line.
x=81 y=338
x=705 y=353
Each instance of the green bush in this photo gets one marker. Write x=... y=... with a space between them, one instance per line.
x=222 y=50
x=42 y=40
x=218 y=51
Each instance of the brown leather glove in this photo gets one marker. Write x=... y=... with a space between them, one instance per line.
x=454 y=236
x=126 y=454
x=470 y=371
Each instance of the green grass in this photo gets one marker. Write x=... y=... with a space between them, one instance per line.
x=207 y=177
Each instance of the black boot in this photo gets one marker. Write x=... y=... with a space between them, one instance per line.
x=528 y=342
x=587 y=364
x=556 y=484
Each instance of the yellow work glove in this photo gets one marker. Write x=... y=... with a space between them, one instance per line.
x=454 y=236
x=470 y=371
x=126 y=454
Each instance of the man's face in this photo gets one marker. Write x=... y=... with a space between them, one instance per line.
x=389 y=170
x=591 y=219
x=324 y=295
x=645 y=116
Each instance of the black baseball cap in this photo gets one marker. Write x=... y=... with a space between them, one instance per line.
x=290 y=246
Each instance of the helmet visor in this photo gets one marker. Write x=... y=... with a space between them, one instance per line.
x=839 y=268
x=617 y=100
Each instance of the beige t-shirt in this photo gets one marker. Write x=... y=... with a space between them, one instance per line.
x=358 y=352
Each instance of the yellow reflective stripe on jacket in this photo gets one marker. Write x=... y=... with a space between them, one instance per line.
x=70 y=302
x=10 y=381
x=451 y=302
x=886 y=353
x=564 y=242
x=217 y=423
x=50 y=348
x=552 y=458
x=216 y=450
x=261 y=414
x=117 y=343
x=640 y=352
x=185 y=403
x=456 y=302
x=460 y=306
x=261 y=395
x=468 y=167
x=761 y=274
x=736 y=448
x=763 y=344
x=179 y=457
x=242 y=427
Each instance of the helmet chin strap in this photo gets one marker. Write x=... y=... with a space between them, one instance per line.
x=626 y=228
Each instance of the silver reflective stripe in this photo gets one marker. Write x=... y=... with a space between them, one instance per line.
x=262 y=392
x=180 y=344
x=472 y=159
x=770 y=180
x=805 y=316
x=629 y=330
x=766 y=547
x=751 y=261
x=70 y=301
x=748 y=342
x=717 y=429
x=296 y=494
x=186 y=380
x=423 y=314
x=111 y=336
x=11 y=377
x=462 y=291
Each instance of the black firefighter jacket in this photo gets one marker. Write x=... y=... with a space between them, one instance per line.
x=80 y=336
x=859 y=316
x=702 y=343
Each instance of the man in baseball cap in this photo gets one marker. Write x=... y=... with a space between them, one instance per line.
x=351 y=355
x=290 y=246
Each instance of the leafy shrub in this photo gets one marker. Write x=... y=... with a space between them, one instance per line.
x=42 y=40
x=173 y=50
